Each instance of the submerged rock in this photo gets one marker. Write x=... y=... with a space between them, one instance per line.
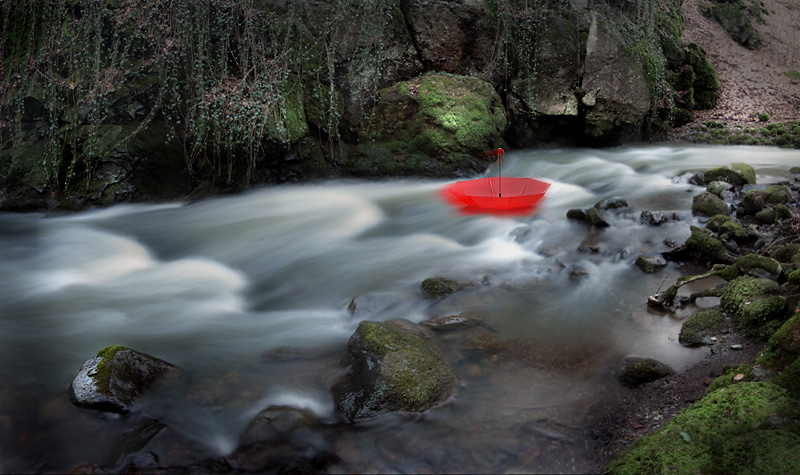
x=112 y=380
x=394 y=366
x=652 y=218
x=698 y=329
x=436 y=287
x=277 y=424
x=650 y=263
x=636 y=371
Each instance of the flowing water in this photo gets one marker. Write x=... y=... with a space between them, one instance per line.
x=249 y=294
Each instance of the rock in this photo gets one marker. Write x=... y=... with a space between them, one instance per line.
x=277 y=424
x=756 y=200
x=595 y=217
x=459 y=42
x=453 y=322
x=369 y=306
x=753 y=306
x=112 y=380
x=614 y=202
x=698 y=328
x=393 y=366
x=733 y=16
x=737 y=174
x=650 y=263
x=652 y=218
x=431 y=125
x=760 y=266
x=577 y=214
x=717 y=187
x=437 y=287
x=637 y=371
x=702 y=246
x=708 y=204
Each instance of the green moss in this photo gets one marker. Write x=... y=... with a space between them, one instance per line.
x=102 y=374
x=759 y=266
x=728 y=378
x=755 y=200
x=761 y=451
x=690 y=442
x=414 y=373
x=704 y=246
x=794 y=277
x=789 y=379
x=751 y=305
x=783 y=346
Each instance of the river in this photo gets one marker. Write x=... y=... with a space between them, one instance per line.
x=221 y=287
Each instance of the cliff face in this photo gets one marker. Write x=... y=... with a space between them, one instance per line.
x=119 y=100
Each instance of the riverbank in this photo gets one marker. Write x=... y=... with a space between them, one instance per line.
x=739 y=353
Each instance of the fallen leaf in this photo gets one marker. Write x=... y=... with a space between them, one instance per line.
x=738 y=377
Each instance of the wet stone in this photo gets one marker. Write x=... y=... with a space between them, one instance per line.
x=651 y=263
x=637 y=371
x=652 y=218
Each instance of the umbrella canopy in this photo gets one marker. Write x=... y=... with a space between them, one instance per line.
x=496 y=194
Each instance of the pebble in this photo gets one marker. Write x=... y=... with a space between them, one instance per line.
x=736 y=347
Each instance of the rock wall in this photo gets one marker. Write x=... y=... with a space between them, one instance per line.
x=172 y=99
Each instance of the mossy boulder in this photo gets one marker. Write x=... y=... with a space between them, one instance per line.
x=753 y=306
x=784 y=345
x=737 y=174
x=760 y=266
x=432 y=125
x=112 y=380
x=699 y=327
x=704 y=247
x=637 y=371
x=717 y=187
x=690 y=443
x=757 y=200
x=709 y=204
x=394 y=366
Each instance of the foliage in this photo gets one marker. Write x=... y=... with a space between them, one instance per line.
x=230 y=77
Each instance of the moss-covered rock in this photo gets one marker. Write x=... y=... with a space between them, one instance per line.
x=636 y=371
x=703 y=246
x=717 y=187
x=699 y=327
x=789 y=378
x=112 y=380
x=759 y=266
x=737 y=174
x=394 y=366
x=783 y=346
x=431 y=125
x=690 y=442
x=756 y=200
x=752 y=305
x=709 y=204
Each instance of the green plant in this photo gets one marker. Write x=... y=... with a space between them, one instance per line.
x=763 y=117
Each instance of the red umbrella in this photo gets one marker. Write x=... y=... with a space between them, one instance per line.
x=496 y=194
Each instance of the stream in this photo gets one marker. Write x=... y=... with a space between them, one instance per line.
x=250 y=296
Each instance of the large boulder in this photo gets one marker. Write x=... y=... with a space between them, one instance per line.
x=112 y=380
x=394 y=366
x=432 y=125
x=616 y=98
x=753 y=305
